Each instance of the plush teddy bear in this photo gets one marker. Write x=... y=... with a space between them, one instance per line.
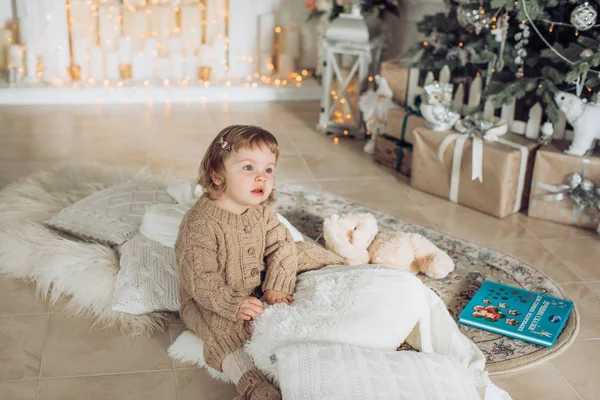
x=356 y=237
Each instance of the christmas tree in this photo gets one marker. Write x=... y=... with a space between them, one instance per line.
x=523 y=49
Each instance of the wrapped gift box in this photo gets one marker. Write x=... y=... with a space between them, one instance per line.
x=387 y=150
x=396 y=121
x=550 y=199
x=507 y=166
x=397 y=77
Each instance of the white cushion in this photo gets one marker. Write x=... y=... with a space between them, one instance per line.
x=345 y=372
x=112 y=215
x=148 y=278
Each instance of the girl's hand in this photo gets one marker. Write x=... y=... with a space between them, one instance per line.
x=273 y=297
x=251 y=307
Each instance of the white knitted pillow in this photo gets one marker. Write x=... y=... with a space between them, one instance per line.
x=331 y=371
x=148 y=278
x=112 y=215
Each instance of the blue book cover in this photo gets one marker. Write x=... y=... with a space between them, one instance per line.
x=518 y=313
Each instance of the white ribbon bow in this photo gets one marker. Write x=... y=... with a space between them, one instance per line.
x=470 y=128
x=479 y=131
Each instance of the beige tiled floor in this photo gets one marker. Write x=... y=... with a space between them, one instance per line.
x=47 y=356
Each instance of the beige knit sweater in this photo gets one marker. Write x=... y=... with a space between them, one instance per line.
x=224 y=257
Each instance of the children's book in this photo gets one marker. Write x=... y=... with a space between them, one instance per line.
x=518 y=313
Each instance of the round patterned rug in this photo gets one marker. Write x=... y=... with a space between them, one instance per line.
x=306 y=210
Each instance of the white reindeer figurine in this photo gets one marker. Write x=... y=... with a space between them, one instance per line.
x=585 y=119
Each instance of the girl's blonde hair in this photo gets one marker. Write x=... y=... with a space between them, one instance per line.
x=232 y=138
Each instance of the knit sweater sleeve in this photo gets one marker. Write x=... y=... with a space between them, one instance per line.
x=280 y=256
x=204 y=280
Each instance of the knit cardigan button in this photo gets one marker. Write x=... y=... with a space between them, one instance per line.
x=254 y=272
x=251 y=251
x=248 y=229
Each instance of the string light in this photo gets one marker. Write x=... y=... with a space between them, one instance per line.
x=336 y=140
x=112 y=12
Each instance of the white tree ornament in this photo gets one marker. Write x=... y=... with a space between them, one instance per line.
x=585 y=119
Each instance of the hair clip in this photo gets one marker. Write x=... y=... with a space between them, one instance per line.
x=224 y=144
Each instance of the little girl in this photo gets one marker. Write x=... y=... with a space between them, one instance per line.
x=232 y=250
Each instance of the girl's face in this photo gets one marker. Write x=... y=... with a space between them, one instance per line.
x=249 y=176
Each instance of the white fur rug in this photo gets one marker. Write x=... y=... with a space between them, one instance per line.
x=60 y=266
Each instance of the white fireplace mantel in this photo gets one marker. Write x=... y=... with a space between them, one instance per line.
x=244 y=32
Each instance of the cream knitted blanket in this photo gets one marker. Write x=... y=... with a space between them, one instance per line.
x=369 y=310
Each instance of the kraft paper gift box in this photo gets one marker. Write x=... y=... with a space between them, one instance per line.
x=387 y=150
x=506 y=169
x=550 y=195
x=402 y=122
x=397 y=77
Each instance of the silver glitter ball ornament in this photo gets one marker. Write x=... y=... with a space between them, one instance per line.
x=587 y=53
x=574 y=180
x=474 y=18
x=587 y=185
x=584 y=16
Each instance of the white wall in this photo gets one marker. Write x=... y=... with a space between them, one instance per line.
x=404 y=29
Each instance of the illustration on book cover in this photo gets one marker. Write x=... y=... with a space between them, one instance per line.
x=518 y=313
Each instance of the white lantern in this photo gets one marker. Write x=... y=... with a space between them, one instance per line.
x=352 y=53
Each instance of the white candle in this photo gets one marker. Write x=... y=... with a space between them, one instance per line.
x=163 y=68
x=83 y=23
x=80 y=56
x=140 y=66
x=266 y=32
x=55 y=34
x=151 y=47
x=31 y=62
x=243 y=43
x=285 y=65
x=176 y=61
x=191 y=28
x=219 y=59
x=174 y=45
x=96 y=63
x=162 y=24
x=15 y=56
x=206 y=55
x=112 y=66
x=136 y=26
x=215 y=20
x=292 y=42
x=109 y=27
x=49 y=62
x=125 y=50
x=190 y=67
x=80 y=50
x=265 y=66
x=63 y=63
